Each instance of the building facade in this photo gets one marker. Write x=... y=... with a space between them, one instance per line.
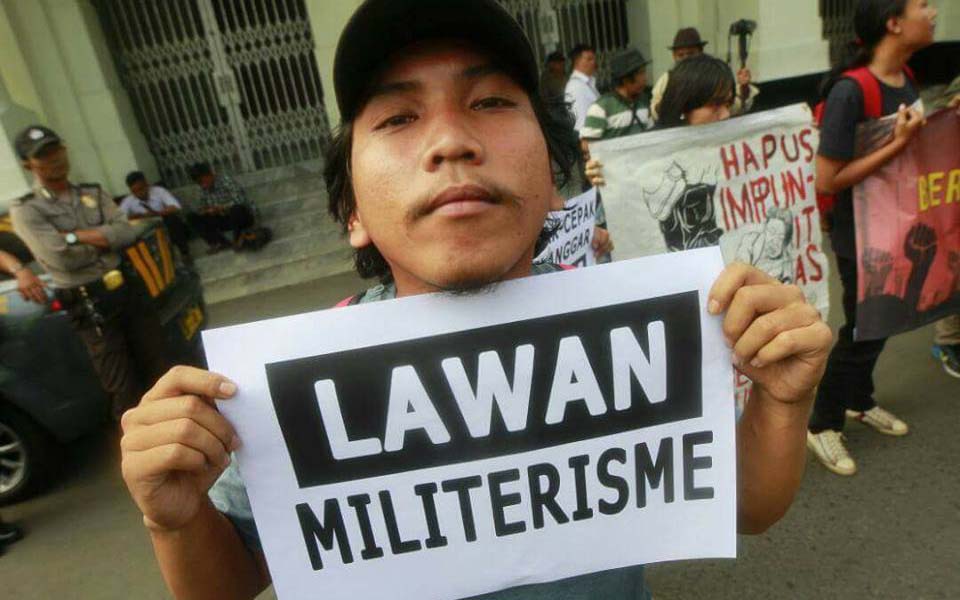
x=156 y=84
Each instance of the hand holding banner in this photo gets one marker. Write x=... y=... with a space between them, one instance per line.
x=908 y=230
x=746 y=185
x=476 y=441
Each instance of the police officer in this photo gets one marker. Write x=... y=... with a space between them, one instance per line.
x=75 y=232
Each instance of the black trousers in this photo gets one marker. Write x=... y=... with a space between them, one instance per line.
x=848 y=380
x=179 y=233
x=236 y=219
x=128 y=350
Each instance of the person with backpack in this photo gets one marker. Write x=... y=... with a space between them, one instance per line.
x=873 y=83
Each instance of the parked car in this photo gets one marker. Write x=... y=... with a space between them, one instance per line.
x=49 y=393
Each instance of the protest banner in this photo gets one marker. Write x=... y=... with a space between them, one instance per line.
x=745 y=184
x=907 y=217
x=572 y=232
x=445 y=446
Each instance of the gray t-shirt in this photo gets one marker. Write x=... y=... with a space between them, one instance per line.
x=229 y=495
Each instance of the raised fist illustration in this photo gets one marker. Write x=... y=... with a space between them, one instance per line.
x=920 y=248
x=877 y=265
x=921 y=245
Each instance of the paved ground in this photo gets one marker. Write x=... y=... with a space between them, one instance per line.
x=890 y=532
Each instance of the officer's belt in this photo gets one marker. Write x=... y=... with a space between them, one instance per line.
x=104 y=287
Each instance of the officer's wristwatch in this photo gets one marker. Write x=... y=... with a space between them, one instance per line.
x=71 y=238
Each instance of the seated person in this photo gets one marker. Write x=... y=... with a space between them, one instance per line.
x=223 y=206
x=145 y=200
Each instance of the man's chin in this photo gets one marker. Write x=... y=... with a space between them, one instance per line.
x=468 y=282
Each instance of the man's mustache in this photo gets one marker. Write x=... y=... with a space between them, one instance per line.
x=498 y=195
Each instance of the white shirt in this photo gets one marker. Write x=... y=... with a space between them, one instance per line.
x=581 y=92
x=158 y=199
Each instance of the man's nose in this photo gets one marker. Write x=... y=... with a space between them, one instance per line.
x=451 y=139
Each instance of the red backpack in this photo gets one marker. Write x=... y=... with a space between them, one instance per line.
x=872 y=109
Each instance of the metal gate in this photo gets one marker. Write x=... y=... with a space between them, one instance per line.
x=231 y=82
x=562 y=24
x=837 y=18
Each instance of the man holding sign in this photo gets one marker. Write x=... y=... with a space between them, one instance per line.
x=449 y=150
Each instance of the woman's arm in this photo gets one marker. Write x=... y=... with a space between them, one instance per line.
x=836 y=175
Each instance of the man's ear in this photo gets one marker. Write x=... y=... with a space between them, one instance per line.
x=556 y=201
x=357 y=233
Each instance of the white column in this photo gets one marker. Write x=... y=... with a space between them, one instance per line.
x=14 y=180
x=789 y=41
x=73 y=74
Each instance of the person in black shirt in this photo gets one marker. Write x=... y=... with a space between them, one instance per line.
x=888 y=33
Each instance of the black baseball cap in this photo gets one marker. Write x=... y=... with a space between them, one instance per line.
x=379 y=28
x=32 y=140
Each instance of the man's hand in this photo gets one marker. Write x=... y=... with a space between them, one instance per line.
x=30 y=286
x=778 y=339
x=214 y=210
x=594 y=172
x=909 y=122
x=175 y=445
x=744 y=77
x=602 y=244
x=955 y=103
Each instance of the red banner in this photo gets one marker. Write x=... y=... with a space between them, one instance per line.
x=908 y=234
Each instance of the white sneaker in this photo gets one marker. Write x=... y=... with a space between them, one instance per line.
x=828 y=447
x=882 y=420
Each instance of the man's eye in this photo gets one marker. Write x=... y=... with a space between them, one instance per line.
x=396 y=121
x=492 y=102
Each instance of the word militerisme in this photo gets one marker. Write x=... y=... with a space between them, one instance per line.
x=562 y=380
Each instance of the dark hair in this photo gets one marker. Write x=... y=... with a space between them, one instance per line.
x=579 y=49
x=693 y=83
x=562 y=148
x=870 y=27
x=198 y=170
x=555 y=56
x=135 y=176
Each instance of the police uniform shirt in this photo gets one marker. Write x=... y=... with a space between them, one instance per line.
x=42 y=219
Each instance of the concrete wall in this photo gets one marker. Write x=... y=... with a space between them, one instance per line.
x=948 y=20
x=788 y=43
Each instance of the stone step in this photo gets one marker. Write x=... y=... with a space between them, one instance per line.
x=312 y=220
x=264 y=187
x=229 y=263
x=291 y=272
x=283 y=206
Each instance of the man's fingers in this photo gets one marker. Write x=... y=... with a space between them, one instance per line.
x=815 y=337
x=181 y=380
x=160 y=461
x=753 y=300
x=768 y=327
x=181 y=408
x=734 y=277
x=185 y=432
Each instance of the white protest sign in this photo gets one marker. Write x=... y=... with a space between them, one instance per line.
x=745 y=184
x=440 y=447
x=571 y=241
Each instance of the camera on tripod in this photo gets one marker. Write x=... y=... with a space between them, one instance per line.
x=743 y=27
